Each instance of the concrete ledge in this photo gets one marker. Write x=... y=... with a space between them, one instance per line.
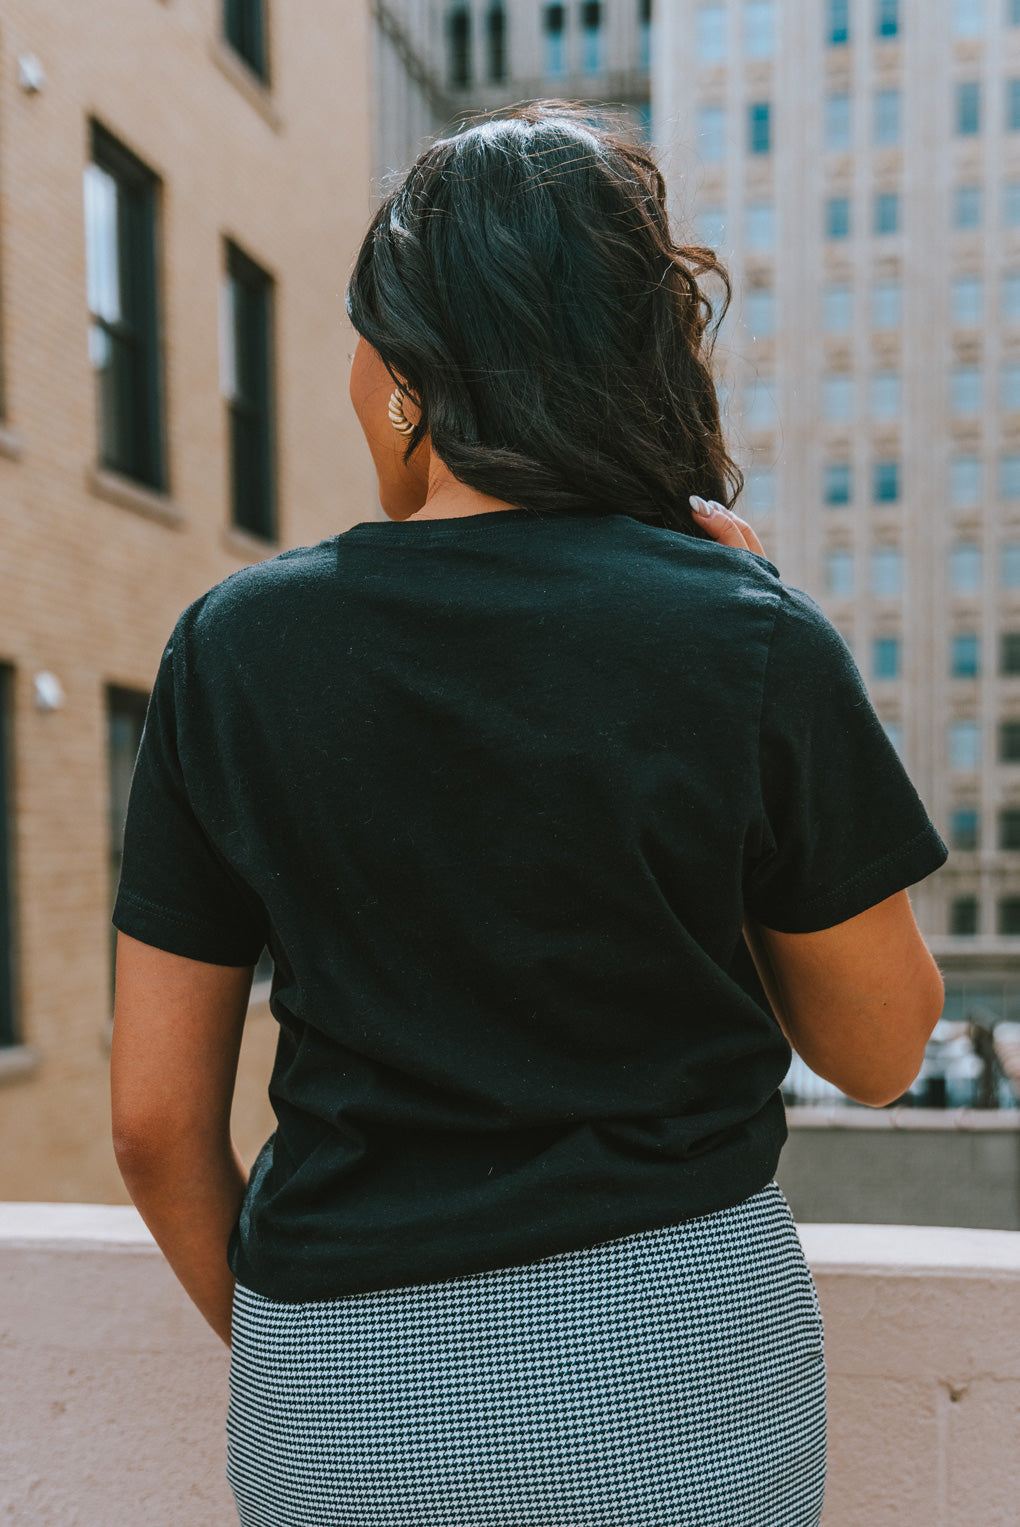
x=17 y=1061
x=113 y=1391
x=843 y=1116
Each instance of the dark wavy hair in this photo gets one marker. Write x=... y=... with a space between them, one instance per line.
x=524 y=283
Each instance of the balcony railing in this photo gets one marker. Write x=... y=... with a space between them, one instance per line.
x=113 y=1391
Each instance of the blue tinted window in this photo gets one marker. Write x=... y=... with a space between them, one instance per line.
x=838 y=482
x=759 y=128
x=968 y=107
x=887 y=212
x=964 y=827
x=887 y=18
x=964 y=655
x=885 y=487
x=837 y=217
x=886 y=663
x=839 y=23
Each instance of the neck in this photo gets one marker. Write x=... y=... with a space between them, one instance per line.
x=447 y=498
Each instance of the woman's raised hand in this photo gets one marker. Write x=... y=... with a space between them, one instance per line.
x=724 y=526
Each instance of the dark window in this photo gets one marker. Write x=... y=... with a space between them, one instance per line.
x=759 y=128
x=964 y=655
x=591 y=37
x=1009 y=914
x=887 y=18
x=838 y=482
x=496 y=39
x=837 y=217
x=244 y=26
x=968 y=107
x=120 y=247
x=459 y=41
x=8 y=1034
x=1013 y=106
x=963 y=915
x=1013 y=13
x=885 y=483
x=839 y=23
x=1009 y=652
x=964 y=827
x=1009 y=828
x=249 y=388
x=125 y=717
x=644 y=35
x=555 y=21
x=1009 y=741
x=887 y=212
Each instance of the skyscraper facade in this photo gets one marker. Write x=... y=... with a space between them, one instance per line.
x=438 y=61
x=856 y=163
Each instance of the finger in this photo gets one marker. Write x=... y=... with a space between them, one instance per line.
x=720 y=524
x=753 y=543
x=724 y=526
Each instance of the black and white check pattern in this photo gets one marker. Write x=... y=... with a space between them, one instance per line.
x=671 y=1378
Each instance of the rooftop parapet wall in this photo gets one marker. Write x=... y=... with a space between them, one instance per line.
x=113 y=1392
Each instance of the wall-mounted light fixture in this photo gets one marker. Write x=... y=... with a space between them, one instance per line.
x=31 y=76
x=49 y=693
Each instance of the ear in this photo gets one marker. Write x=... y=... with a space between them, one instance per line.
x=403 y=488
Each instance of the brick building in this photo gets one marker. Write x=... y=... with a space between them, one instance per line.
x=183 y=184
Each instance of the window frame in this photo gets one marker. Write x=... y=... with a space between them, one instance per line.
x=838 y=225
x=759 y=128
x=886 y=481
x=837 y=484
x=130 y=705
x=887 y=112
x=970 y=555
x=245 y=274
x=887 y=20
x=968 y=207
x=883 y=647
x=139 y=395
x=956 y=906
x=245 y=27
x=1008 y=829
x=959 y=669
x=969 y=841
x=838 y=122
x=1009 y=740
x=838 y=24
x=1009 y=654
x=9 y=1031
x=967 y=108
x=459 y=46
x=886 y=213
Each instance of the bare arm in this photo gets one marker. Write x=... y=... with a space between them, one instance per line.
x=857 y=1002
x=176 y=1038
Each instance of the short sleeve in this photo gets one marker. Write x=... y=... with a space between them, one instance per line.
x=176 y=891
x=843 y=827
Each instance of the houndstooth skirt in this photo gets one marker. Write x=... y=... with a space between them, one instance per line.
x=670 y=1378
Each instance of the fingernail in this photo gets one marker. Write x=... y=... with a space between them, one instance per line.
x=701 y=507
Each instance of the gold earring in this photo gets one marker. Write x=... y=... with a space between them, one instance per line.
x=398 y=419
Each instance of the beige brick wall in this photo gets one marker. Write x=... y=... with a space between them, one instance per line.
x=89 y=588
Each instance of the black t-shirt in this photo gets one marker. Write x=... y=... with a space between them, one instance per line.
x=498 y=792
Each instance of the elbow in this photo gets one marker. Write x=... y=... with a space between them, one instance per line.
x=137 y=1149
